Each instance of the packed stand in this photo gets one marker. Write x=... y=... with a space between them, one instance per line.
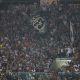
x=24 y=49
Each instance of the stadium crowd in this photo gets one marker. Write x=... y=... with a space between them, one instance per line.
x=24 y=49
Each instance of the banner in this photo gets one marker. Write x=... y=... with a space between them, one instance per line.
x=39 y=23
x=71 y=33
x=47 y=2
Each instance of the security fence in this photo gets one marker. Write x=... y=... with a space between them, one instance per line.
x=28 y=76
x=69 y=75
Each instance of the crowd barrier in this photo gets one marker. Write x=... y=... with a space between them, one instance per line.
x=69 y=75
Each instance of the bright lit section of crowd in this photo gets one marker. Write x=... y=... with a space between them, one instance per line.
x=33 y=36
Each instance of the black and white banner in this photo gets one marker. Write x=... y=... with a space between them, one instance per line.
x=39 y=23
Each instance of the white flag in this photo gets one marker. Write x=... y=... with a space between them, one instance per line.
x=71 y=33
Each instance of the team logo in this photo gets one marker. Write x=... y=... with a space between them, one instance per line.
x=39 y=23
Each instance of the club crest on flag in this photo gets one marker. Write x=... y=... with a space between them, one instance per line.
x=39 y=23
